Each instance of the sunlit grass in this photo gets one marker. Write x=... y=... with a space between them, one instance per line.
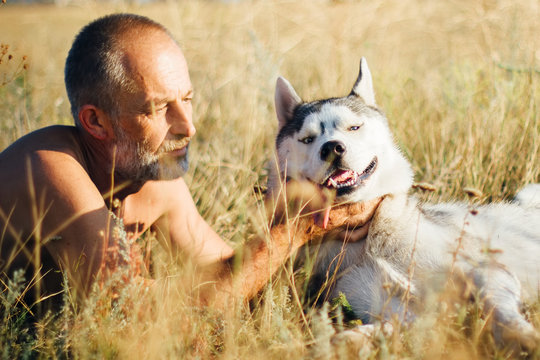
x=459 y=82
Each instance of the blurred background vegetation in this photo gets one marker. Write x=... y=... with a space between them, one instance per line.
x=458 y=80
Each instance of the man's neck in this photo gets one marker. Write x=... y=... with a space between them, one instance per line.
x=98 y=160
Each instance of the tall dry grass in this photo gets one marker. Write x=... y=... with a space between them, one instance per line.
x=458 y=80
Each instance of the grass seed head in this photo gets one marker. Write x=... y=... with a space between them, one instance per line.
x=473 y=192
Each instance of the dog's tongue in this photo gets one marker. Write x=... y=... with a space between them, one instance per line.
x=322 y=218
x=326 y=217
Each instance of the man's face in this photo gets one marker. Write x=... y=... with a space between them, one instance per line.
x=154 y=125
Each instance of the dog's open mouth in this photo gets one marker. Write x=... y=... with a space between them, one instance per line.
x=344 y=181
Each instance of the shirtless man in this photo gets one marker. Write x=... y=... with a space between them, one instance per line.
x=130 y=93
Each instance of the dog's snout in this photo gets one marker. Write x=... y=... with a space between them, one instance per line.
x=332 y=149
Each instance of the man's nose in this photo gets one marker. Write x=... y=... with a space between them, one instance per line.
x=181 y=120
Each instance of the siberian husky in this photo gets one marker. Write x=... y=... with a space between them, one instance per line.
x=345 y=144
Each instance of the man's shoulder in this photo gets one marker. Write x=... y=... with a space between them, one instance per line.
x=44 y=168
x=43 y=155
x=56 y=138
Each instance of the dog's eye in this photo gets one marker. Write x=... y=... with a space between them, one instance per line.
x=355 y=127
x=306 y=140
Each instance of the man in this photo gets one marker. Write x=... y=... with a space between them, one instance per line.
x=130 y=93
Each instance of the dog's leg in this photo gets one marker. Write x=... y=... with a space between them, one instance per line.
x=500 y=291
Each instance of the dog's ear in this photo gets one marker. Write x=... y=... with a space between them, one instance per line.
x=363 y=86
x=286 y=100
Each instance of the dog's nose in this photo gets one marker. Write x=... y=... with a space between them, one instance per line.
x=332 y=150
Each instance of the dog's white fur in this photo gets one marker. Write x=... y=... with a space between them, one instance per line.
x=412 y=246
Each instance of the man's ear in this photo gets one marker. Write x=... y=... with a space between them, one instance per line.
x=96 y=122
x=286 y=100
x=363 y=86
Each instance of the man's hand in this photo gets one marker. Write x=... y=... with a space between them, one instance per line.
x=307 y=201
x=299 y=199
x=350 y=222
x=295 y=216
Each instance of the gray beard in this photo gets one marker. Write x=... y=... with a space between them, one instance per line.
x=135 y=162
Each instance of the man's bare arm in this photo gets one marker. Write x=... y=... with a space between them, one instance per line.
x=168 y=205
x=226 y=275
x=72 y=219
x=245 y=273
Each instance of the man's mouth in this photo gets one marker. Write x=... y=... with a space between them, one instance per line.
x=178 y=152
x=345 y=181
x=175 y=147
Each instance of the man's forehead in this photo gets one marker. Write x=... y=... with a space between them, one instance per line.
x=156 y=57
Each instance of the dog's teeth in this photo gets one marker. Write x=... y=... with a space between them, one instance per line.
x=332 y=182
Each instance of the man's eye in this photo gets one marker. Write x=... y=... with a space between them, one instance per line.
x=187 y=100
x=155 y=110
x=306 y=140
x=355 y=127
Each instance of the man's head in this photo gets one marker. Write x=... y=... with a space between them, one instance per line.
x=129 y=86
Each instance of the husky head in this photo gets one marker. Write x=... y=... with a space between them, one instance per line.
x=339 y=143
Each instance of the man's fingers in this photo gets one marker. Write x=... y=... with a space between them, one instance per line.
x=302 y=198
x=305 y=198
x=353 y=215
x=353 y=235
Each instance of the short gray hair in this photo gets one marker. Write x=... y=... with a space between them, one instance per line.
x=94 y=72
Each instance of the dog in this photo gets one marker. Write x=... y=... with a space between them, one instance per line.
x=345 y=144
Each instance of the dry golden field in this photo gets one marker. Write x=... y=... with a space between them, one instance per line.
x=459 y=81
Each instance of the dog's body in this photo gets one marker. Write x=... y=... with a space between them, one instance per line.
x=345 y=144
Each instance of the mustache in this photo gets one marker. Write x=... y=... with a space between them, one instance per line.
x=171 y=145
